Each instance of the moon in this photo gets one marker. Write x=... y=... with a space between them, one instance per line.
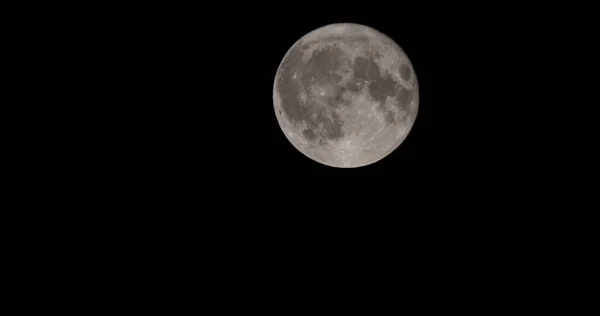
x=345 y=95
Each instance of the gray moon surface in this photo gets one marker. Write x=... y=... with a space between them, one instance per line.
x=345 y=95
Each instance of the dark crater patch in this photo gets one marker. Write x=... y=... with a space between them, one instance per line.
x=365 y=68
x=332 y=128
x=309 y=134
x=380 y=87
x=405 y=72
x=380 y=90
x=404 y=98
x=352 y=86
x=321 y=66
x=390 y=117
x=322 y=141
x=338 y=99
x=298 y=112
x=289 y=92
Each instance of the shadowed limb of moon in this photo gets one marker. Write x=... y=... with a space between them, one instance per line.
x=345 y=95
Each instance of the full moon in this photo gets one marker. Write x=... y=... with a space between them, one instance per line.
x=345 y=95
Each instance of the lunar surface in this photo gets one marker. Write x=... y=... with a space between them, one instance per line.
x=346 y=95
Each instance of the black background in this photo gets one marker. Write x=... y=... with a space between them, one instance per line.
x=188 y=96
x=177 y=161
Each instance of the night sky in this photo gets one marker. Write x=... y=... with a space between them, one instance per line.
x=197 y=112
